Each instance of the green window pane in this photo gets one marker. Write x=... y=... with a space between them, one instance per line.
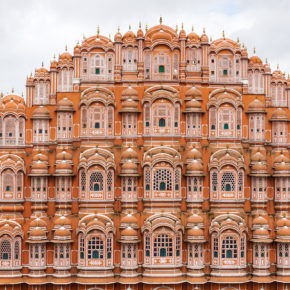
x=161 y=69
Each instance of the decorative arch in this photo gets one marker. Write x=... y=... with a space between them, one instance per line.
x=227 y=172
x=164 y=231
x=95 y=236
x=96 y=175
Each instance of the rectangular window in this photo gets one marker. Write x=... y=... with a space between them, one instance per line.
x=225 y=72
x=161 y=69
x=97 y=71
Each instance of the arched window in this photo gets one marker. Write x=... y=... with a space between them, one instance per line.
x=229 y=248
x=166 y=250
x=161 y=66
x=227 y=184
x=96 y=181
x=225 y=69
x=161 y=122
x=226 y=117
x=10 y=252
x=95 y=248
x=5 y=250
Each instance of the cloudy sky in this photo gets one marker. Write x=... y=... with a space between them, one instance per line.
x=32 y=31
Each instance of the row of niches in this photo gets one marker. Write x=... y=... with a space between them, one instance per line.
x=162 y=174
x=160 y=117
x=228 y=242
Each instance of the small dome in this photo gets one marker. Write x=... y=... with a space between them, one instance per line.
x=38 y=223
x=260 y=220
x=129 y=218
x=283 y=222
x=194 y=154
x=195 y=232
x=204 y=38
x=41 y=112
x=129 y=153
x=256 y=106
x=129 y=232
x=129 y=92
x=37 y=232
x=40 y=156
x=279 y=114
x=129 y=105
x=192 y=37
x=193 y=105
x=259 y=166
x=64 y=155
x=118 y=37
x=281 y=158
x=193 y=92
x=195 y=219
x=161 y=34
x=140 y=33
x=255 y=60
x=65 y=104
x=39 y=165
x=260 y=232
x=258 y=156
x=66 y=56
x=195 y=165
x=11 y=105
x=95 y=222
x=182 y=33
x=284 y=231
x=129 y=36
x=62 y=221
x=63 y=165
x=282 y=167
x=129 y=167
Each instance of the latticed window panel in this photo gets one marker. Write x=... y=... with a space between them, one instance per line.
x=162 y=179
x=95 y=248
x=282 y=189
x=228 y=181
x=96 y=181
x=195 y=255
x=283 y=255
x=229 y=248
x=194 y=188
x=261 y=255
x=5 y=250
x=163 y=246
x=259 y=188
x=129 y=188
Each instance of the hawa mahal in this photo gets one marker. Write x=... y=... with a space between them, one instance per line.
x=157 y=160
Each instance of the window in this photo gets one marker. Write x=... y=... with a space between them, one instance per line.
x=97 y=71
x=161 y=69
x=163 y=246
x=161 y=122
x=95 y=248
x=229 y=248
x=162 y=179
x=225 y=72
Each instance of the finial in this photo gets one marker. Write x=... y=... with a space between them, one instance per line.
x=42 y=64
x=78 y=42
x=238 y=40
x=146 y=27
x=266 y=61
x=182 y=25
x=129 y=26
x=84 y=37
x=223 y=34
x=160 y=20
x=243 y=45
x=118 y=28
x=210 y=39
x=204 y=30
x=98 y=30
x=22 y=95
x=140 y=24
x=31 y=74
x=12 y=90
x=254 y=50
x=192 y=28
x=66 y=47
x=110 y=36
x=278 y=66
x=176 y=28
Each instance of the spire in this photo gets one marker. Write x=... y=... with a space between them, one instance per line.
x=182 y=25
x=140 y=24
x=42 y=64
x=278 y=66
x=254 y=50
x=238 y=40
x=98 y=30
x=54 y=56
x=110 y=36
x=176 y=29
x=146 y=27
x=192 y=28
x=12 y=90
x=243 y=45
x=118 y=28
x=224 y=34
x=160 y=20
x=210 y=39
x=66 y=47
x=204 y=30
x=84 y=37
x=129 y=26
x=266 y=61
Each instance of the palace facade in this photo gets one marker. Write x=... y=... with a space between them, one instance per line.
x=159 y=160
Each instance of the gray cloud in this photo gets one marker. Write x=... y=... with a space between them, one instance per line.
x=33 y=31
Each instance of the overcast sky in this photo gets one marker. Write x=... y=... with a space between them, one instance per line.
x=32 y=31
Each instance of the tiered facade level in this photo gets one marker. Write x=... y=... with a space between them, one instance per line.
x=157 y=160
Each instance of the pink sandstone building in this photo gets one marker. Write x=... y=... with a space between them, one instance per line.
x=157 y=160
